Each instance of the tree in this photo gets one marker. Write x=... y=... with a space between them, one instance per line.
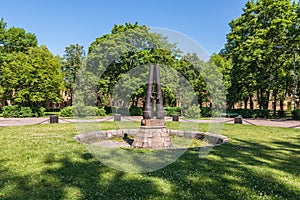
x=72 y=61
x=257 y=69
x=31 y=79
x=191 y=67
x=127 y=47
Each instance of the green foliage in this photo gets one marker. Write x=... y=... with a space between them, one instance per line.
x=31 y=79
x=38 y=111
x=281 y=113
x=30 y=75
x=11 y=111
x=206 y=112
x=136 y=111
x=258 y=67
x=66 y=112
x=296 y=114
x=82 y=111
x=25 y=112
x=247 y=113
x=170 y=111
x=100 y=111
x=71 y=63
x=16 y=39
x=192 y=112
x=130 y=47
x=18 y=111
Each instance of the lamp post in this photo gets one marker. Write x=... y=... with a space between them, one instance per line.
x=295 y=49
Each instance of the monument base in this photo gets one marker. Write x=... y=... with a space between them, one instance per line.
x=152 y=137
x=153 y=122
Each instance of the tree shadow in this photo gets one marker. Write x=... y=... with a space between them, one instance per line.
x=231 y=171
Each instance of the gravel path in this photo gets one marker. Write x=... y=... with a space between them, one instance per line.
x=45 y=120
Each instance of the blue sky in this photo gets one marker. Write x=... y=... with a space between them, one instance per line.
x=59 y=23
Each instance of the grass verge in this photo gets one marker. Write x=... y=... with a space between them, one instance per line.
x=44 y=162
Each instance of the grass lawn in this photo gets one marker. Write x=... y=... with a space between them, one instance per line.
x=44 y=162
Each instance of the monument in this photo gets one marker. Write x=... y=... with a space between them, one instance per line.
x=153 y=133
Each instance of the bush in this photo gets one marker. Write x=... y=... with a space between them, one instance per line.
x=296 y=114
x=262 y=113
x=66 y=112
x=132 y=111
x=136 y=111
x=81 y=111
x=170 y=111
x=245 y=113
x=193 y=112
x=17 y=111
x=281 y=113
x=38 y=112
x=100 y=111
x=206 y=112
x=108 y=109
x=25 y=112
x=11 y=111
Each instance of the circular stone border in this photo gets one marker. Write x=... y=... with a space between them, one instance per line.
x=96 y=137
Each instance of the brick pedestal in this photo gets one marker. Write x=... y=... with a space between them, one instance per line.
x=152 y=137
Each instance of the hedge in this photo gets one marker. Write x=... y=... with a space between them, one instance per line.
x=81 y=111
x=170 y=111
x=18 y=111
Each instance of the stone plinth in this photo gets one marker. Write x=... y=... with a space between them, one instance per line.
x=153 y=122
x=152 y=137
x=238 y=120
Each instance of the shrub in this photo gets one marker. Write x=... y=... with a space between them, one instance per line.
x=132 y=111
x=281 y=113
x=66 y=112
x=170 y=111
x=38 y=112
x=17 y=111
x=262 y=113
x=136 y=111
x=81 y=111
x=192 y=112
x=108 y=109
x=25 y=112
x=245 y=113
x=206 y=112
x=11 y=111
x=100 y=111
x=296 y=114
x=122 y=110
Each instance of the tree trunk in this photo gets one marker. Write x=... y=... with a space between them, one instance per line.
x=259 y=97
x=281 y=104
x=266 y=100
x=251 y=102
x=246 y=103
x=275 y=103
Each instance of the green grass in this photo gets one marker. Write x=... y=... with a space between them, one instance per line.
x=44 y=162
x=51 y=113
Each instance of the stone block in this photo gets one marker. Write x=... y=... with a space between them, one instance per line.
x=238 y=120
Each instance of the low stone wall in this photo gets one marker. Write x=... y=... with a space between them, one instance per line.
x=92 y=137
x=209 y=137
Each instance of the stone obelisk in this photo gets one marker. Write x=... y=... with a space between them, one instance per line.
x=153 y=133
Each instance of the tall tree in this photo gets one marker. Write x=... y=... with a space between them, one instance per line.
x=251 y=47
x=72 y=61
x=31 y=79
x=127 y=47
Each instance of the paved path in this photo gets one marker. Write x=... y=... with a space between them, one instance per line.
x=45 y=120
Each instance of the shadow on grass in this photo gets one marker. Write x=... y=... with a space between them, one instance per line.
x=245 y=170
